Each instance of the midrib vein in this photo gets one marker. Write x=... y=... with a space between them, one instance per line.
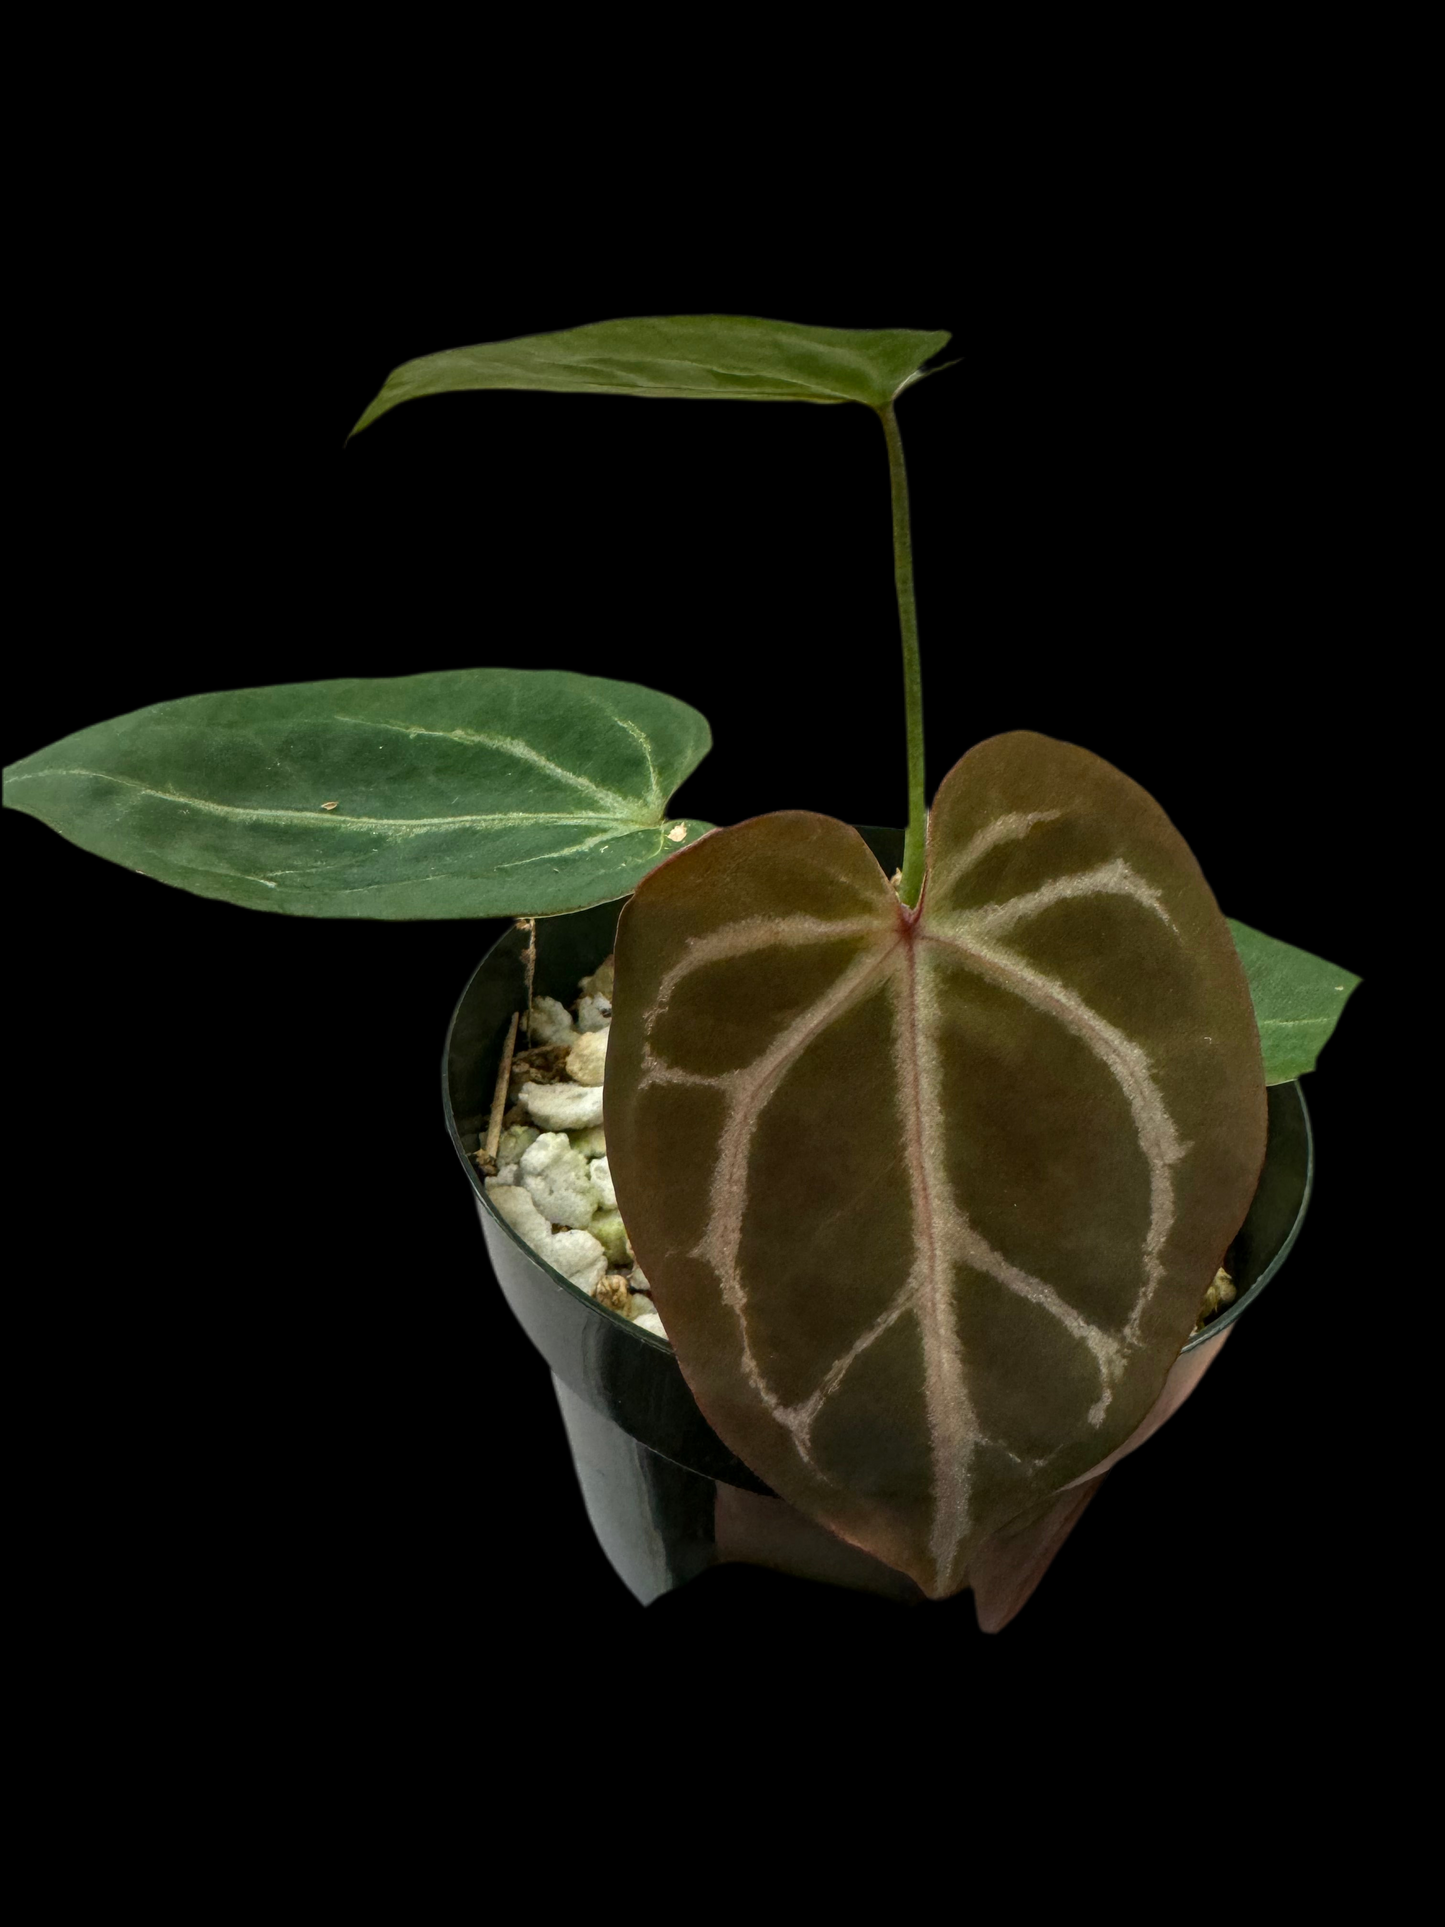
x=592 y=374
x=945 y=1394
x=322 y=820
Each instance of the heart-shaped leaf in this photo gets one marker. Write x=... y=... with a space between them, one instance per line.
x=464 y=793
x=929 y=1200
x=1297 y=1001
x=709 y=357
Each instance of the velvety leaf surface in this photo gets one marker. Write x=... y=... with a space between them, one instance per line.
x=464 y=793
x=1298 y=999
x=929 y=1201
x=707 y=357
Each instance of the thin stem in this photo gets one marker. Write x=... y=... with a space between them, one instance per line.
x=915 y=838
x=487 y=1156
x=529 y=961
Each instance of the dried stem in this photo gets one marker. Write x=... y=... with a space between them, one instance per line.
x=529 y=958
x=499 y=1097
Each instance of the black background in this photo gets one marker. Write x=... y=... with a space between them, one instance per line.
x=287 y=1428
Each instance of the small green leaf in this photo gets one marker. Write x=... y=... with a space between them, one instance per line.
x=710 y=357
x=1297 y=1000
x=463 y=793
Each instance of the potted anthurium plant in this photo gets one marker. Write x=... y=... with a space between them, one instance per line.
x=870 y=1194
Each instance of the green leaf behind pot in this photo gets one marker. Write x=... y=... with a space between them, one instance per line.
x=463 y=793
x=709 y=357
x=929 y=1203
x=1297 y=1001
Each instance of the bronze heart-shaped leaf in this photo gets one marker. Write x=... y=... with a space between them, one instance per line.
x=929 y=1198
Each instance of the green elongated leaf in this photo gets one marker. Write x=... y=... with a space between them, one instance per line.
x=1297 y=1001
x=929 y=1200
x=463 y=793
x=708 y=357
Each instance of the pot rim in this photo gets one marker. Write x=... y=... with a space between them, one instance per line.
x=1227 y=1317
x=1214 y=1329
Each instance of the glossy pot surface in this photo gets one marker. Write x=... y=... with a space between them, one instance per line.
x=666 y=1497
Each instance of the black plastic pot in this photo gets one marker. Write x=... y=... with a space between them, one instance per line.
x=665 y=1496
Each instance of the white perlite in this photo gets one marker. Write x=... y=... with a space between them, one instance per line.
x=556 y=1177
x=551 y=1023
x=600 y=1173
x=587 y=1059
x=516 y=1206
x=510 y=1146
x=562 y=1107
x=576 y=1254
x=514 y=1140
